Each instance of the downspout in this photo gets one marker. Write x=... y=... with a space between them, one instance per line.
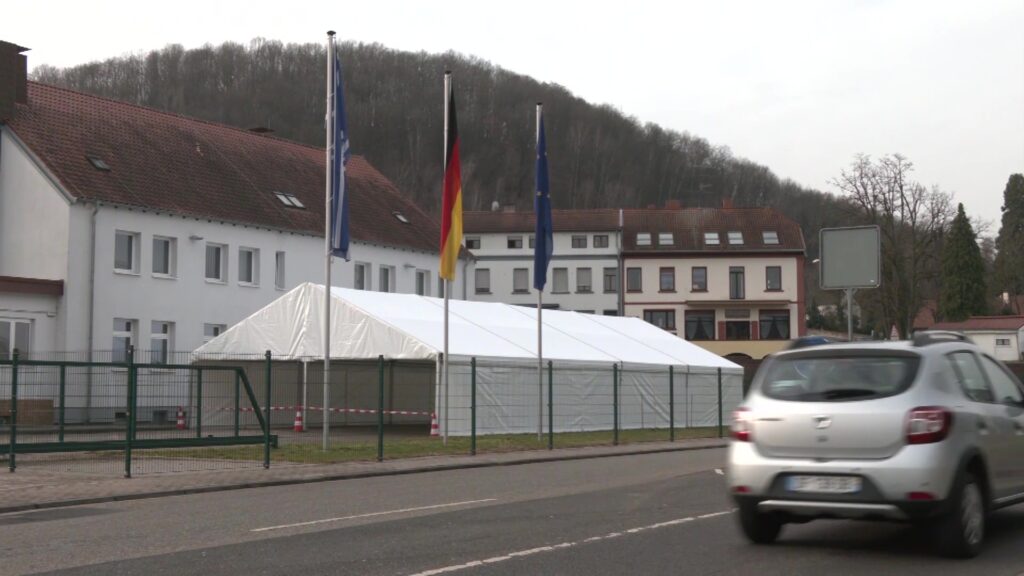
x=622 y=278
x=92 y=311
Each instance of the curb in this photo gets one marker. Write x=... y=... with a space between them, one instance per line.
x=347 y=476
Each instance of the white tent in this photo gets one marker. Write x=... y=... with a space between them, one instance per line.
x=503 y=340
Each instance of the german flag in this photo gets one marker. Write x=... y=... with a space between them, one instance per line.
x=451 y=203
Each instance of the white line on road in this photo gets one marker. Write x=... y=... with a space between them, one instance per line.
x=372 y=514
x=719 y=472
x=563 y=545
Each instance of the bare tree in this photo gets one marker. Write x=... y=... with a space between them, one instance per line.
x=912 y=219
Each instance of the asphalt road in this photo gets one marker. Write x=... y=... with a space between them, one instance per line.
x=654 y=514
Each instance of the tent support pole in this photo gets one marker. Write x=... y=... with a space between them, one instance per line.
x=305 y=395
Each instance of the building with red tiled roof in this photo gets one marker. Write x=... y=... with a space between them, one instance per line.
x=155 y=223
x=1000 y=336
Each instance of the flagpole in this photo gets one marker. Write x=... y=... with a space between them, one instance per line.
x=540 y=331
x=329 y=123
x=447 y=282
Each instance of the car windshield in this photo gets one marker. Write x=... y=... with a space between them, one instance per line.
x=838 y=378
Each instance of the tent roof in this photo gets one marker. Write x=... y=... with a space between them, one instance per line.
x=405 y=326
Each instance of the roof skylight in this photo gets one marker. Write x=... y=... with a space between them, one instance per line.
x=289 y=200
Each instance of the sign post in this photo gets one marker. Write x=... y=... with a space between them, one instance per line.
x=850 y=260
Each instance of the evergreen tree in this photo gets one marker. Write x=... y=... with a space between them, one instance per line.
x=1009 y=264
x=963 y=272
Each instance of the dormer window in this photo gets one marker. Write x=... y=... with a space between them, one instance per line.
x=666 y=239
x=711 y=239
x=289 y=200
x=643 y=239
x=98 y=164
x=400 y=217
x=735 y=238
x=770 y=237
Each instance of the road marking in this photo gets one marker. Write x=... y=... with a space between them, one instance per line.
x=564 y=545
x=372 y=514
x=719 y=472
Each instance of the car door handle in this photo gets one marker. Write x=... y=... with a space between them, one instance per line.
x=983 y=427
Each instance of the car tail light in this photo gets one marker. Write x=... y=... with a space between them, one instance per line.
x=927 y=424
x=741 y=426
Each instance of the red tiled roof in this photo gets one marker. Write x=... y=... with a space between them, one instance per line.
x=1010 y=323
x=172 y=163
x=561 y=221
x=689 y=225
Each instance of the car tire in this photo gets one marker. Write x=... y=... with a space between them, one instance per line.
x=758 y=527
x=960 y=533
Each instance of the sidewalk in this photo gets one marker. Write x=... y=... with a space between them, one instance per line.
x=30 y=488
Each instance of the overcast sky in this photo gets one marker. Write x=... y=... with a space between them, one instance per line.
x=798 y=86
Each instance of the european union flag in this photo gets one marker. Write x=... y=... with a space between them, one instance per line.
x=543 y=243
x=339 y=157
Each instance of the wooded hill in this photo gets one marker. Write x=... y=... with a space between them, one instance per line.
x=598 y=157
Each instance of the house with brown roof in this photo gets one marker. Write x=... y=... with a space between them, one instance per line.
x=729 y=279
x=121 y=224
x=1000 y=336
x=584 y=272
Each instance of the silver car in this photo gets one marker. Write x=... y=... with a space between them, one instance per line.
x=929 y=432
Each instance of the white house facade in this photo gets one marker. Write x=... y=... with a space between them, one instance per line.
x=1002 y=337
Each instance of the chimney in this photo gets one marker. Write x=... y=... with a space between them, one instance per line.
x=13 y=79
x=727 y=203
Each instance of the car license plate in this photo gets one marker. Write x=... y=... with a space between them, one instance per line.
x=824 y=484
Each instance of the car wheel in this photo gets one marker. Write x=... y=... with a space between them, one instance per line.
x=961 y=532
x=758 y=527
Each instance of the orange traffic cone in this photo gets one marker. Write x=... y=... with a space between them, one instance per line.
x=181 y=419
x=299 y=426
x=434 y=429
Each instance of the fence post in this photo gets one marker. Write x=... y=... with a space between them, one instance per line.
x=551 y=406
x=14 y=410
x=237 y=403
x=266 y=412
x=129 y=413
x=671 y=404
x=199 y=402
x=719 y=402
x=472 y=406
x=380 y=408
x=63 y=396
x=615 y=403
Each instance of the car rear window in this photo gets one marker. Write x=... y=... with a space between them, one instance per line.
x=841 y=378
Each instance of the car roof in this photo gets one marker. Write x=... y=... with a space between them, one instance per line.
x=868 y=347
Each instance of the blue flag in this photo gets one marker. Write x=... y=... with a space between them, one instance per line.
x=543 y=242
x=339 y=157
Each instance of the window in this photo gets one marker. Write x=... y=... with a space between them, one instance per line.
x=279 y=277
x=400 y=217
x=515 y=242
x=700 y=325
x=770 y=237
x=472 y=242
x=1005 y=386
x=737 y=330
x=423 y=282
x=521 y=280
x=611 y=312
x=561 y=281
x=664 y=319
x=387 y=279
x=735 y=238
x=853 y=378
x=483 y=281
x=15 y=335
x=289 y=200
x=737 y=289
x=533 y=242
x=711 y=239
x=643 y=239
x=601 y=241
x=579 y=241
x=773 y=277
x=440 y=287
x=699 y=279
x=971 y=378
x=736 y=313
x=126 y=252
x=249 y=266
x=611 y=280
x=164 y=256
x=667 y=280
x=160 y=336
x=124 y=339
x=633 y=280
x=99 y=164
x=774 y=325
x=1002 y=341
x=215 y=263
x=584 y=280
x=666 y=239
x=362 y=277
x=211 y=331
x=584 y=311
